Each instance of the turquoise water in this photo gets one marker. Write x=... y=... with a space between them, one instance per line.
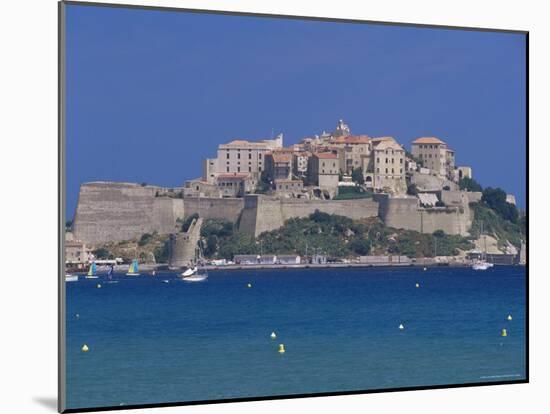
x=154 y=342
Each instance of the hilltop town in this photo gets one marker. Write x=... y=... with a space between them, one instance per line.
x=258 y=186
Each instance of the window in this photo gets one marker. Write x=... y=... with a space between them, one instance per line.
x=249 y=169
x=197 y=188
x=392 y=160
x=378 y=160
x=378 y=170
x=260 y=155
x=249 y=156
x=239 y=155
x=401 y=171
x=238 y=169
x=386 y=170
x=392 y=171
x=400 y=160
x=227 y=168
x=227 y=155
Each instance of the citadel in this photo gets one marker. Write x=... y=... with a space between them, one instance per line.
x=259 y=184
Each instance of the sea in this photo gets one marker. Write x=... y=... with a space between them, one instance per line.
x=157 y=339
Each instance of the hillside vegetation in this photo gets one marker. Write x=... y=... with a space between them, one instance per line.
x=333 y=235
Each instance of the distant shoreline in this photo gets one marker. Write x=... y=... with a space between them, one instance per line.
x=147 y=268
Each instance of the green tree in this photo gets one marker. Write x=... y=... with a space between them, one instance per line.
x=162 y=252
x=360 y=246
x=412 y=190
x=495 y=198
x=101 y=253
x=357 y=176
x=145 y=239
x=187 y=222
x=469 y=184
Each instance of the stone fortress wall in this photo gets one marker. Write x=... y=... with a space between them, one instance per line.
x=262 y=213
x=183 y=245
x=110 y=211
x=405 y=212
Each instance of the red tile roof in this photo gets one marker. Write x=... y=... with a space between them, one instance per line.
x=428 y=140
x=281 y=157
x=353 y=139
x=326 y=155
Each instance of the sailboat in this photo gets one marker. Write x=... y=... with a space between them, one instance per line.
x=92 y=272
x=190 y=271
x=133 y=270
x=482 y=264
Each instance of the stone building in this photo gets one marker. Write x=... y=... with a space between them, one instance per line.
x=240 y=156
x=323 y=172
x=286 y=187
x=235 y=184
x=200 y=188
x=435 y=155
x=356 y=152
x=388 y=173
x=464 y=172
x=77 y=252
x=278 y=165
x=342 y=129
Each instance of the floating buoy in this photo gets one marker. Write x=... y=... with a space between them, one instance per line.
x=77 y=316
x=504 y=333
x=273 y=335
x=99 y=285
x=509 y=317
x=249 y=285
x=281 y=348
x=401 y=327
x=85 y=348
x=425 y=269
x=417 y=285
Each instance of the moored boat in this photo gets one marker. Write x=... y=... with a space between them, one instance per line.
x=92 y=272
x=71 y=278
x=133 y=270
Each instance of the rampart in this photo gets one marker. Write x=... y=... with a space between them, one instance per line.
x=183 y=245
x=405 y=213
x=218 y=208
x=263 y=213
x=109 y=211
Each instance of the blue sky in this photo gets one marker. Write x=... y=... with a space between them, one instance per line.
x=150 y=94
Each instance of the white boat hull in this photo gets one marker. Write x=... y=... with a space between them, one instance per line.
x=132 y=274
x=71 y=278
x=195 y=278
x=482 y=266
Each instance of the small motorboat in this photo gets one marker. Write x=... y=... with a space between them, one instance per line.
x=197 y=277
x=71 y=278
x=481 y=265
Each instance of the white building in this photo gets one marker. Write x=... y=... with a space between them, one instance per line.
x=240 y=156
